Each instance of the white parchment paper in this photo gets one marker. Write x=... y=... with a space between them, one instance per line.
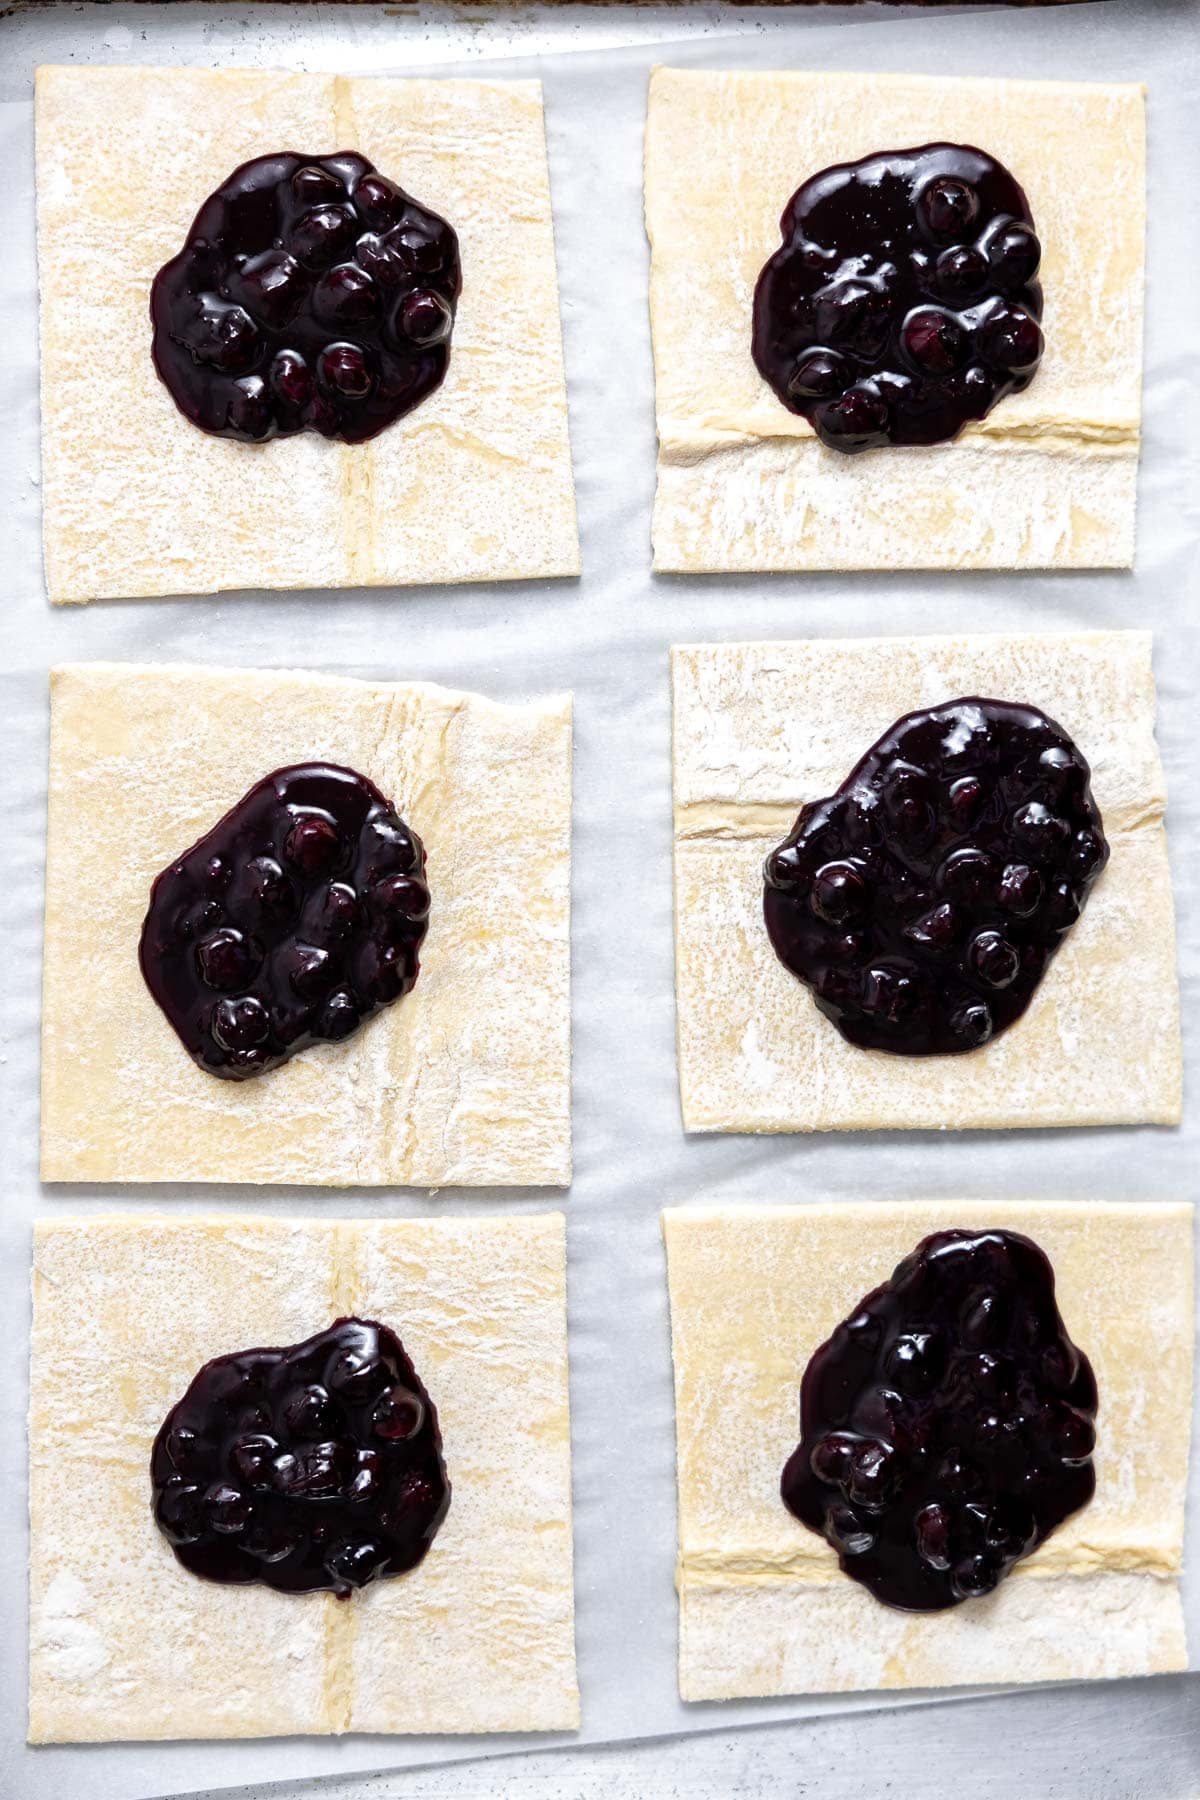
x=607 y=638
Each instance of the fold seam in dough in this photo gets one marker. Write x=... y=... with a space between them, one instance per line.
x=719 y=1568
x=356 y=468
x=341 y=1616
x=693 y=444
x=697 y=821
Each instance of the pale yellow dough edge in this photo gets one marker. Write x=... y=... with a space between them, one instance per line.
x=473 y=485
x=1048 y=480
x=763 y=1607
x=464 y=1081
x=759 y=730
x=125 y=1643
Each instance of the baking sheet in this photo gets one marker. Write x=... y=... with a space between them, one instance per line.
x=607 y=637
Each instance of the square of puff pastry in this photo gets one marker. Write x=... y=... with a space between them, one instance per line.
x=763 y=1606
x=465 y=1081
x=1047 y=480
x=474 y=484
x=762 y=729
x=127 y=1643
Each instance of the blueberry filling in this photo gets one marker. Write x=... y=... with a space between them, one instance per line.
x=316 y=1466
x=903 y=301
x=922 y=902
x=947 y=1427
x=312 y=293
x=297 y=917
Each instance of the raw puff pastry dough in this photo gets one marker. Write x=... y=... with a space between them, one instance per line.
x=1048 y=480
x=466 y=1080
x=474 y=485
x=763 y=1606
x=125 y=1643
x=760 y=729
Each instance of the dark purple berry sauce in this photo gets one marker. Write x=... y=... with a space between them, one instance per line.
x=298 y=916
x=317 y=1466
x=947 y=1426
x=904 y=301
x=922 y=902
x=312 y=294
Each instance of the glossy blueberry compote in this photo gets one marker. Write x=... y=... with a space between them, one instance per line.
x=903 y=301
x=298 y=916
x=922 y=902
x=947 y=1426
x=315 y=1466
x=312 y=293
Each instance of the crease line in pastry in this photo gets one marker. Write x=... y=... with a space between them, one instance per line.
x=698 y=444
x=718 y=1568
x=401 y=1082
x=378 y=1113
x=722 y=821
x=341 y=1616
x=452 y=715
x=356 y=461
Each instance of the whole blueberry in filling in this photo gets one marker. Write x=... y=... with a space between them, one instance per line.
x=903 y=301
x=947 y=1426
x=922 y=902
x=298 y=916
x=316 y=1466
x=312 y=293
